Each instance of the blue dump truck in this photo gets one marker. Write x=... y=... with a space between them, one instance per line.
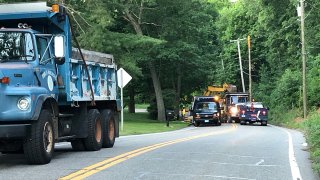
x=48 y=92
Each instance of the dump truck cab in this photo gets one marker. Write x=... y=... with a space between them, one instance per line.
x=232 y=102
x=29 y=58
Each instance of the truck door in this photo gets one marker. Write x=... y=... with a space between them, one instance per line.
x=48 y=71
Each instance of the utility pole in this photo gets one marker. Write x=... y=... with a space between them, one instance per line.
x=250 y=79
x=222 y=63
x=303 y=54
x=240 y=63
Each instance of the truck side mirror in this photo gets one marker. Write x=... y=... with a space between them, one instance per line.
x=59 y=50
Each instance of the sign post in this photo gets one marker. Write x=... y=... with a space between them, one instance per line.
x=123 y=79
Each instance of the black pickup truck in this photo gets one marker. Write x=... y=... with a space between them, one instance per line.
x=252 y=112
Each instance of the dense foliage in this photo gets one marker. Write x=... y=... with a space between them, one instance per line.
x=188 y=45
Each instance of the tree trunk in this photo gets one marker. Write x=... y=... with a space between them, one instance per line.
x=179 y=78
x=178 y=90
x=158 y=92
x=136 y=23
x=132 y=103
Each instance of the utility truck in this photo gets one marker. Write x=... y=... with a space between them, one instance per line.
x=205 y=110
x=229 y=100
x=48 y=92
x=253 y=112
x=233 y=100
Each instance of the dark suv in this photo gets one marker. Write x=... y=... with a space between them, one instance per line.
x=206 y=110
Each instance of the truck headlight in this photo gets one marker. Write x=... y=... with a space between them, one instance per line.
x=24 y=103
x=234 y=110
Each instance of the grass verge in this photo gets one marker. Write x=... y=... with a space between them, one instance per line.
x=312 y=130
x=291 y=119
x=310 y=127
x=142 y=106
x=138 y=123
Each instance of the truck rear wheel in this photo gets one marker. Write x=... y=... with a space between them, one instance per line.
x=94 y=140
x=39 y=145
x=108 y=128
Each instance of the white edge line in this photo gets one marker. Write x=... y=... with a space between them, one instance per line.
x=295 y=171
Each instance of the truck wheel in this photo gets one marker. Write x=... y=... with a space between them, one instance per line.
x=39 y=145
x=78 y=145
x=196 y=123
x=229 y=120
x=264 y=123
x=108 y=128
x=94 y=140
x=225 y=119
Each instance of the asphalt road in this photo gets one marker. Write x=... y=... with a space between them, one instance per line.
x=230 y=151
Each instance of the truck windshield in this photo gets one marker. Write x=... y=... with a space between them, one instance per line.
x=206 y=107
x=16 y=46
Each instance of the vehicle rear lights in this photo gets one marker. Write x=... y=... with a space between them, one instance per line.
x=5 y=80
x=264 y=112
x=198 y=116
x=243 y=111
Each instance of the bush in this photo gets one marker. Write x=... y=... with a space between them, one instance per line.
x=286 y=94
x=291 y=119
x=314 y=82
x=312 y=129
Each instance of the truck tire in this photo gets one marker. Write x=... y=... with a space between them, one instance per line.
x=264 y=123
x=39 y=144
x=78 y=145
x=108 y=128
x=196 y=123
x=229 y=119
x=224 y=119
x=94 y=140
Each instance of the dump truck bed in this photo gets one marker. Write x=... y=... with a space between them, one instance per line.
x=76 y=85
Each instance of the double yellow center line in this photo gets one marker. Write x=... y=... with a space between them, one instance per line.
x=95 y=168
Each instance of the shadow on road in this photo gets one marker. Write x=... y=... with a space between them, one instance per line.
x=14 y=159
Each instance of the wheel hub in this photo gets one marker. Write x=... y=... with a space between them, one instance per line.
x=48 y=137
